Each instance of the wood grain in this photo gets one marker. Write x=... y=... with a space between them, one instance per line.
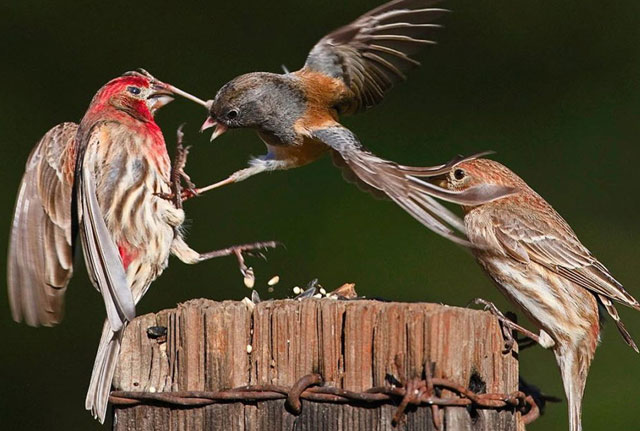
x=353 y=344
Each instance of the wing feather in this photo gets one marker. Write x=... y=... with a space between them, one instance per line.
x=557 y=247
x=101 y=255
x=385 y=178
x=373 y=53
x=40 y=259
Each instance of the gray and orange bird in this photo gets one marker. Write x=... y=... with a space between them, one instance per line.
x=536 y=260
x=348 y=71
x=114 y=165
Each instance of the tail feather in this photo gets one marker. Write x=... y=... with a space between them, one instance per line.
x=103 y=369
x=574 y=365
x=611 y=309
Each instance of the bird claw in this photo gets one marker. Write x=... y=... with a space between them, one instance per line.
x=180 y=193
x=507 y=325
x=506 y=332
x=189 y=192
x=251 y=250
x=239 y=251
x=184 y=195
x=165 y=196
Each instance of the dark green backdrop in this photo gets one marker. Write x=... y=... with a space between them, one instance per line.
x=551 y=86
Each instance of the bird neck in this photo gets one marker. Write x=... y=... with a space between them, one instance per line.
x=125 y=128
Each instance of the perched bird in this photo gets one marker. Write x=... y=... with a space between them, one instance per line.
x=101 y=179
x=536 y=260
x=347 y=71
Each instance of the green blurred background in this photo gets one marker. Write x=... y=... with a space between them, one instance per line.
x=551 y=86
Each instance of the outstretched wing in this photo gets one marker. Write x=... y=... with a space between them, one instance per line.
x=101 y=255
x=557 y=247
x=40 y=260
x=413 y=173
x=395 y=181
x=373 y=53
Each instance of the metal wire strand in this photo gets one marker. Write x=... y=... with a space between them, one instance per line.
x=310 y=387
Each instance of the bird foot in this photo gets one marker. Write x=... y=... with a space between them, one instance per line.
x=253 y=249
x=508 y=326
x=180 y=193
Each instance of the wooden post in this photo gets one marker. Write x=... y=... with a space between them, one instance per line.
x=354 y=345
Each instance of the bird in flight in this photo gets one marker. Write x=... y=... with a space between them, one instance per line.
x=348 y=71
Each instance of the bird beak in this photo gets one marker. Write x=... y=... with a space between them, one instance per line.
x=219 y=127
x=208 y=123
x=162 y=94
x=219 y=130
x=159 y=97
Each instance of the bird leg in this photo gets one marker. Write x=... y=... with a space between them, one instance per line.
x=523 y=342
x=526 y=342
x=178 y=194
x=238 y=251
x=224 y=182
x=257 y=165
x=237 y=176
x=507 y=325
x=186 y=254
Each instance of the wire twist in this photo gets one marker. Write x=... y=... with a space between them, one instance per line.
x=415 y=392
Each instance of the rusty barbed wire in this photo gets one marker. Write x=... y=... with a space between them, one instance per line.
x=414 y=392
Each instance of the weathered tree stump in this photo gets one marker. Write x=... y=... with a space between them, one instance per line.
x=354 y=345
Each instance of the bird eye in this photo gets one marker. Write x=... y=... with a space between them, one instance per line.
x=232 y=114
x=134 y=90
x=459 y=174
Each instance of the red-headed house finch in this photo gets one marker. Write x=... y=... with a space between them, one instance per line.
x=536 y=260
x=114 y=165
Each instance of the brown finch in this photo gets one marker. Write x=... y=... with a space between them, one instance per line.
x=536 y=260
x=102 y=179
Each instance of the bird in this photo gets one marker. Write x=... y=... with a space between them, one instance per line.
x=100 y=181
x=537 y=261
x=348 y=71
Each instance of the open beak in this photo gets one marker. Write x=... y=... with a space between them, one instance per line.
x=209 y=123
x=159 y=97
x=219 y=127
x=162 y=94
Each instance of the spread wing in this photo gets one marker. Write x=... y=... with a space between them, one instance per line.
x=101 y=255
x=556 y=247
x=374 y=52
x=40 y=259
x=381 y=176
